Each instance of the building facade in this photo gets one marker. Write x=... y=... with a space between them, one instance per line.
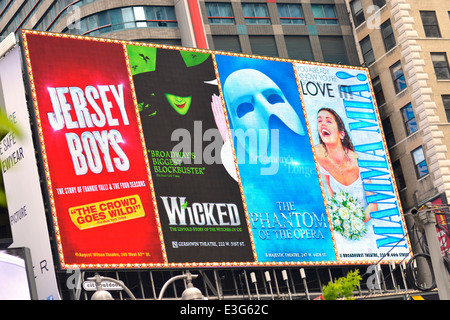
x=318 y=31
x=388 y=42
x=405 y=46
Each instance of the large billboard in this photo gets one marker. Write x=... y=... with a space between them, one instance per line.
x=162 y=156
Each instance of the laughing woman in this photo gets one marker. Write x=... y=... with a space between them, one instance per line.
x=338 y=161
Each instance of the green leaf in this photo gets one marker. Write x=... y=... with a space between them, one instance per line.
x=342 y=287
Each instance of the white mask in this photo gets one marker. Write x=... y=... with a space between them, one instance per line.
x=253 y=99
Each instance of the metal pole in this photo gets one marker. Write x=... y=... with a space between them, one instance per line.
x=267 y=275
x=305 y=284
x=428 y=219
x=402 y=271
x=391 y=270
x=253 y=278
x=286 y=279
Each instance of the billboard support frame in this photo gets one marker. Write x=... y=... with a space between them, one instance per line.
x=49 y=198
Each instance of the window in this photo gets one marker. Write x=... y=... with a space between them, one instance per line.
x=128 y=18
x=398 y=174
x=256 y=13
x=160 y=16
x=291 y=13
x=430 y=24
x=379 y=3
x=219 y=13
x=357 y=12
x=125 y=18
x=299 y=48
x=263 y=45
x=409 y=119
x=419 y=162
x=139 y=14
x=378 y=91
x=333 y=49
x=170 y=42
x=440 y=65
x=388 y=132
x=388 y=35
x=398 y=77
x=324 y=14
x=446 y=102
x=367 y=52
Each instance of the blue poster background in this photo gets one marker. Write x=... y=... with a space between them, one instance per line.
x=286 y=206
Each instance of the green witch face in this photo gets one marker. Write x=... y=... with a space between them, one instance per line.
x=180 y=104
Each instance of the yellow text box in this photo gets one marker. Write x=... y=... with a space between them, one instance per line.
x=107 y=212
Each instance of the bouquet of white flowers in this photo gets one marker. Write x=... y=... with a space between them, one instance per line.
x=347 y=216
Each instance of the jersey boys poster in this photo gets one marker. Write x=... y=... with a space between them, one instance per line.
x=161 y=156
x=94 y=158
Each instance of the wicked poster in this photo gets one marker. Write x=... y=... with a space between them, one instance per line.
x=94 y=160
x=197 y=191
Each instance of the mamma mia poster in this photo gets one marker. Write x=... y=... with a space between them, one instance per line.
x=351 y=156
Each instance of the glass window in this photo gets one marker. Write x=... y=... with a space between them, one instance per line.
x=379 y=3
x=256 y=13
x=128 y=18
x=378 y=91
x=440 y=65
x=398 y=174
x=116 y=19
x=388 y=35
x=103 y=19
x=409 y=119
x=367 y=51
x=398 y=77
x=388 y=132
x=104 y=22
x=357 y=12
x=220 y=13
x=419 y=162
x=92 y=22
x=82 y=28
x=430 y=24
x=139 y=14
x=446 y=102
x=291 y=13
x=160 y=16
x=324 y=14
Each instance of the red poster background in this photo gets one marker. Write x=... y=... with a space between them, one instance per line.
x=441 y=220
x=57 y=61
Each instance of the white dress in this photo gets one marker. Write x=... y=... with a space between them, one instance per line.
x=365 y=244
x=356 y=189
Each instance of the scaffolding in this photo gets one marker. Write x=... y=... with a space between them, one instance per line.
x=242 y=284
